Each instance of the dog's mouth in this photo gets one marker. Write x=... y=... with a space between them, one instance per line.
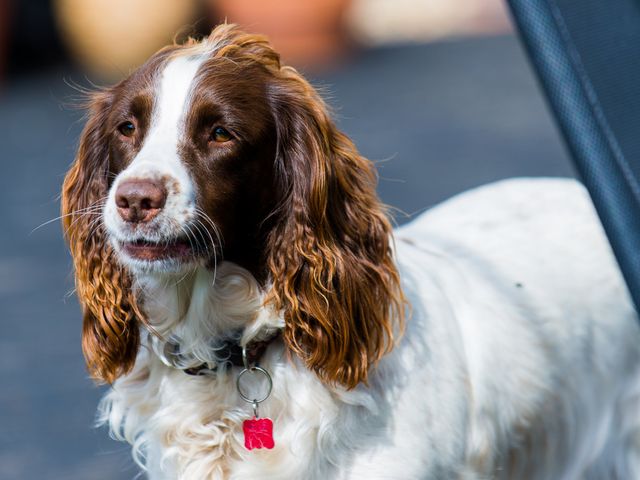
x=179 y=248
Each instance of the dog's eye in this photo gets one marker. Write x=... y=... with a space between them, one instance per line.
x=127 y=129
x=220 y=135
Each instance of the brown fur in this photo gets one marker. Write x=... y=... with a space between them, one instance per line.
x=110 y=335
x=323 y=245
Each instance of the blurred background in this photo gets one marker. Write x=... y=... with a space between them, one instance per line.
x=436 y=92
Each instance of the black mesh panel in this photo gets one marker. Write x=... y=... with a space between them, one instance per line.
x=587 y=56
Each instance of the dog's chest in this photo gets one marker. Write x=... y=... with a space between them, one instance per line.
x=191 y=427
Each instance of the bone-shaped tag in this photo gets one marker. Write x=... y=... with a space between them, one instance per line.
x=258 y=433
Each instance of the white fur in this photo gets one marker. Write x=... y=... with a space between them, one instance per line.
x=159 y=160
x=520 y=361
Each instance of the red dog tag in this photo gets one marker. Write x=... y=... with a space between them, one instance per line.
x=258 y=433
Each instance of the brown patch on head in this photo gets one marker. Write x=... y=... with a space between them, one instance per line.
x=234 y=179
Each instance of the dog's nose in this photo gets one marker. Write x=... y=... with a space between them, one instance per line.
x=139 y=201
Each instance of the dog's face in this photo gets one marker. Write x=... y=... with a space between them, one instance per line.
x=191 y=148
x=215 y=151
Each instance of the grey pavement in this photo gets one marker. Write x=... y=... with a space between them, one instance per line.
x=437 y=119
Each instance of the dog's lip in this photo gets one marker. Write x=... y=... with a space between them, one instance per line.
x=151 y=251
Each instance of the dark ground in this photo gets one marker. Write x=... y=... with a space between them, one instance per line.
x=439 y=119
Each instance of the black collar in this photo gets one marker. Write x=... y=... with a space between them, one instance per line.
x=230 y=352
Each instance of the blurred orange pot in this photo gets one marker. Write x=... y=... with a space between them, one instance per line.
x=111 y=37
x=306 y=32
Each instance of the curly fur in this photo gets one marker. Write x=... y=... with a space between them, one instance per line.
x=110 y=331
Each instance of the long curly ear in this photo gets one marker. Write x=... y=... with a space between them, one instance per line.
x=110 y=335
x=329 y=253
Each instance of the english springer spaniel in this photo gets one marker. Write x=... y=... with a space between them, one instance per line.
x=257 y=318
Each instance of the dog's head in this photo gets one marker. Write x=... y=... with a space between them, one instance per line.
x=214 y=151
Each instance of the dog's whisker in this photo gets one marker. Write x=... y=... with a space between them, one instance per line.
x=200 y=227
x=90 y=210
x=203 y=215
x=216 y=246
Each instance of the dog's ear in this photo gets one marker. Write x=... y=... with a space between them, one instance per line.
x=329 y=253
x=110 y=335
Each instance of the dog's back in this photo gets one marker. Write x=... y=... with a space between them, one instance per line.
x=520 y=271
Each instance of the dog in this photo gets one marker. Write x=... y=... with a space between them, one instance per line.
x=244 y=294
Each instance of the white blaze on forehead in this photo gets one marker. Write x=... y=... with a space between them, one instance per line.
x=159 y=153
x=173 y=97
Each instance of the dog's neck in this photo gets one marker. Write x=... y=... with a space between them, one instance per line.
x=202 y=309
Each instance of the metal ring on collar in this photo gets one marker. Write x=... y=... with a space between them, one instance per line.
x=269 y=382
x=245 y=358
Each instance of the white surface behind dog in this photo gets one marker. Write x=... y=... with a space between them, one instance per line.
x=520 y=361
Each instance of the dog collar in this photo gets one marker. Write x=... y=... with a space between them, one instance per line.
x=228 y=351
x=232 y=351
